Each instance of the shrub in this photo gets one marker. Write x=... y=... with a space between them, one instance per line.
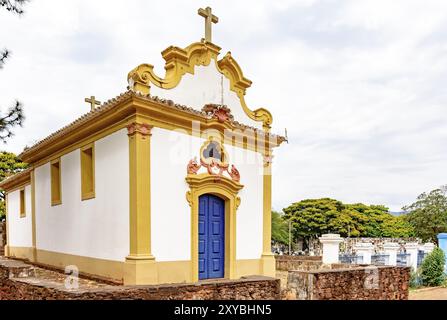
x=432 y=268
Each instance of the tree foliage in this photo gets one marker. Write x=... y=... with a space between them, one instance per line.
x=14 y=116
x=280 y=229
x=9 y=165
x=432 y=268
x=428 y=215
x=314 y=217
x=15 y=6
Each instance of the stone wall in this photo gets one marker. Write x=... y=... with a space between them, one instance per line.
x=355 y=283
x=2 y=237
x=21 y=281
x=285 y=263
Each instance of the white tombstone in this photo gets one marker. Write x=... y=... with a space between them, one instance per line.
x=428 y=247
x=412 y=249
x=331 y=247
x=391 y=249
x=365 y=249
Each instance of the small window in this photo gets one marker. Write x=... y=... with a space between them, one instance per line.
x=56 y=182
x=88 y=172
x=22 y=204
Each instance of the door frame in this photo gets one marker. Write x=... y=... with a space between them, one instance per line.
x=227 y=190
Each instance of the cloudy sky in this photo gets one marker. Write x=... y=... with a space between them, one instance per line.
x=358 y=84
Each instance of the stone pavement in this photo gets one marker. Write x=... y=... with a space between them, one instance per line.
x=437 y=293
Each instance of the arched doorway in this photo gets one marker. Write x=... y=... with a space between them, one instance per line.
x=211 y=228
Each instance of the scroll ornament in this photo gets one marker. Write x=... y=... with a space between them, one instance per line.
x=214 y=167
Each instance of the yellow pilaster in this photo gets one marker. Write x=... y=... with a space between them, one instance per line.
x=267 y=259
x=33 y=216
x=140 y=266
x=7 y=226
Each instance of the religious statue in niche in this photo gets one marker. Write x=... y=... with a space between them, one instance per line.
x=212 y=151
x=214 y=158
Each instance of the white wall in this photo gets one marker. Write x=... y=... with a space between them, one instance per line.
x=20 y=229
x=171 y=214
x=98 y=227
x=249 y=223
x=203 y=87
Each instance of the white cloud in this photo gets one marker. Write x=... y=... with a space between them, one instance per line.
x=358 y=84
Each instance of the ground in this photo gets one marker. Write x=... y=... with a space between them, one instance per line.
x=437 y=293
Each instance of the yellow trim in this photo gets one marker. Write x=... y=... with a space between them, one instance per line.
x=22 y=203
x=21 y=253
x=226 y=189
x=82 y=131
x=87 y=171
x=16 y=181
x=93 y=134
x=239 y=84
x=105 y=268
x=248 y=267
x=33 y=214
x=181 y=61
x=268 y=259
x=176 y=120
x=56 y=185
x=140 y=265
x=6 y=247
x=19 y=187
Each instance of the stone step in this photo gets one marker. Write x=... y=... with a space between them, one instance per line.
x=15 y=269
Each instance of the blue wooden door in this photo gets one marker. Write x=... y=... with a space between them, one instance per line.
x=211 y=237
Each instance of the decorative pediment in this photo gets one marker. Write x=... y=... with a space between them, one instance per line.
x=183 y=61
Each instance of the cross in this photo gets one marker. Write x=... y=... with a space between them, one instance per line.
x=93 y=102
x=209 y=20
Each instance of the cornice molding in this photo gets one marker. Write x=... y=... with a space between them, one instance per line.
x=119 y=112
x=17 y=180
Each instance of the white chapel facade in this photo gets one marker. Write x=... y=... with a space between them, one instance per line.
x=169 y=182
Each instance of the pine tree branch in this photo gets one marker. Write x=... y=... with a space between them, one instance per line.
x=14 y=6
x=3 y=56
x=13 y=117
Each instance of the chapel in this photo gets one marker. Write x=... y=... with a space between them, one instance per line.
x=169 y=182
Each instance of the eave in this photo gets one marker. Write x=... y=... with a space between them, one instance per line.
x=125 y=109
x=17 y=180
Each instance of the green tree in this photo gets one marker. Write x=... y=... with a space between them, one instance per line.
x=280 y=229
x=314 y=217
x=310 y=217
x=9 y=165
x=432 y=268
x=428 y=215
x=397 y=227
